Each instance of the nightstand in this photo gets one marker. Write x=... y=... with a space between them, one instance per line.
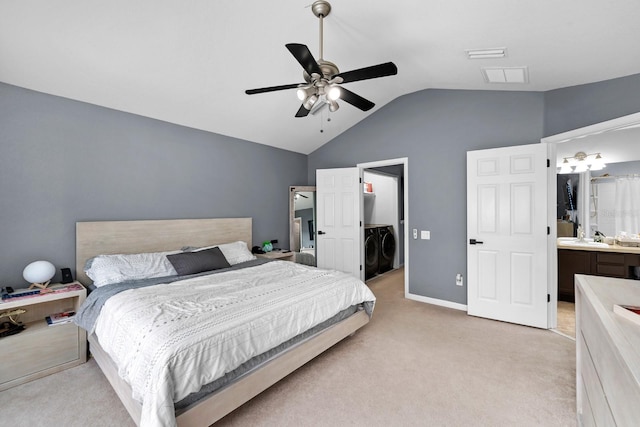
x=280 y=255
x=40 y=349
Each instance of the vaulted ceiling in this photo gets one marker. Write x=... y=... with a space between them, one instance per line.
x=189 y=62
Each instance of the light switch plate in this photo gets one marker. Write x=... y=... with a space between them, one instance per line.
x=425 y=234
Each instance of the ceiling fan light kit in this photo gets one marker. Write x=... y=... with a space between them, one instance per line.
x=323 y=78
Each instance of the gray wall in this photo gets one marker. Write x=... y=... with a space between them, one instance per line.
x=435 y=129
x=63 y=161
x=578 y=106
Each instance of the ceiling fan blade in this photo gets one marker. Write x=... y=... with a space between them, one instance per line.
x=302 y=112
x=355 y=100
x=375 y=71
x=271 y=89
x=304 y=57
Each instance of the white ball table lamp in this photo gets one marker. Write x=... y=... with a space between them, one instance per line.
x=39 y=274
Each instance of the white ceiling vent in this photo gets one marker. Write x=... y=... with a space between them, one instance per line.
x=505 y=74
x=495 y=52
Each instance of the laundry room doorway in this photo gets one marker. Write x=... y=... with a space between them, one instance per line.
x=385 y=207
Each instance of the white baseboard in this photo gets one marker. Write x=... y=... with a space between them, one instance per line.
x=434 y=301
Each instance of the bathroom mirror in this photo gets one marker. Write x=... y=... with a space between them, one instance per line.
x=592 y=201
x=302 y=217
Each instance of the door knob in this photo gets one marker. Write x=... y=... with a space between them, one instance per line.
x=321 y=232
x=475 y=242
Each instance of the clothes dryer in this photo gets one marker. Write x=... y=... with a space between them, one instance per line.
x=387 y=248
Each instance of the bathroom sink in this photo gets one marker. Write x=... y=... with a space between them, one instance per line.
x=587 y=243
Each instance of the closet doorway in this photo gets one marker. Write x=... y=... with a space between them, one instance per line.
x=385 y=212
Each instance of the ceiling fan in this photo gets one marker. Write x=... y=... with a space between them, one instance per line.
x=322 y=78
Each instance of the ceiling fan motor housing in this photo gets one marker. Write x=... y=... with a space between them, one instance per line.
x=329 y=69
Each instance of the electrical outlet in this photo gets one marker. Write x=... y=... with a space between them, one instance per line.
x=459 y=280
x=415 y=233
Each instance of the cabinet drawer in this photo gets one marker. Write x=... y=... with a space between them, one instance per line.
x=610 y=258
x=37 y=348
x=594 y=402
x=610 y=270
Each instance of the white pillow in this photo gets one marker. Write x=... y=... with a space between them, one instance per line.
x=235 y=252
x=108 y=269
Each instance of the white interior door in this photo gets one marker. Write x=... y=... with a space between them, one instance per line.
x=339 y=230
x=507 y=234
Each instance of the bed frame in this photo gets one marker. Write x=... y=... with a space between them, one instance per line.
x=110 y=237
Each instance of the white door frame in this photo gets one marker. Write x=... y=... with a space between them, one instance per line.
x=405 y=198
x=631 y=120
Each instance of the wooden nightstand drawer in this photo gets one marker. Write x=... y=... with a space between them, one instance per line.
x=44 y=347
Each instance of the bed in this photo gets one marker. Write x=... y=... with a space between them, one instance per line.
x=132 y=237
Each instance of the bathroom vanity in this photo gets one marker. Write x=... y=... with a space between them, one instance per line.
x=596 y=259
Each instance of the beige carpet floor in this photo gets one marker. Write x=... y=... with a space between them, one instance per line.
x=414 y=364
x=567 y=318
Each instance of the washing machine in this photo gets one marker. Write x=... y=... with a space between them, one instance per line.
x=371 y=251
x=386 y=248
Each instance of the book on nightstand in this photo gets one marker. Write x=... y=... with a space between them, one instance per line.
x=60 y=318
x=629 y=312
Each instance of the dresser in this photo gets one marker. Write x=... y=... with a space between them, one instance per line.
x=607 y=353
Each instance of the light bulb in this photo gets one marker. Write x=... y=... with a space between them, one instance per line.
x=334 y=93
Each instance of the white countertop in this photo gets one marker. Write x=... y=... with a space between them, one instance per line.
x=563 y=243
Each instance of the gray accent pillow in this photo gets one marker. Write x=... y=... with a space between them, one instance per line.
x=197 y=262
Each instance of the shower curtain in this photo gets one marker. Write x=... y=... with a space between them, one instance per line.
x=627 y=206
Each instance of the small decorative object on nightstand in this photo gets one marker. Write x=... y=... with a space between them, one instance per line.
x=39 y=273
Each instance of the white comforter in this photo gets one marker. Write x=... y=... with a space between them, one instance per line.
x=170 y=339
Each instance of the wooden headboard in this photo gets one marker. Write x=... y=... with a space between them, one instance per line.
x=128 y=237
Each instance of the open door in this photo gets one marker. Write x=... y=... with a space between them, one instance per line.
x=339 y=231
x=507 y=234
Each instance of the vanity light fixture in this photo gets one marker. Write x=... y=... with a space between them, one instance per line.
x=582 y=162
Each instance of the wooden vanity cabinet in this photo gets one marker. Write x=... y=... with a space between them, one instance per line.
x=595 y=263
x=570 y=263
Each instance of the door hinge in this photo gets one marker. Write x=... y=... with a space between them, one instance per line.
x=360 y=267
x=548 y=298
x=360 y=180
x=360 y=223
x=548 y=230
x=548 y=163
